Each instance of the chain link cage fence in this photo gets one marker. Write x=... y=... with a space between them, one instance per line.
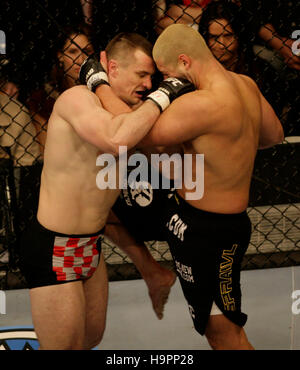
x=40 y=46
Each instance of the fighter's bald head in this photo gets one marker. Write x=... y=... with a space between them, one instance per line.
x=179 y=39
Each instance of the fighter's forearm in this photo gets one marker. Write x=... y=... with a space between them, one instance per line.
x=127 y=127
x=132 y=127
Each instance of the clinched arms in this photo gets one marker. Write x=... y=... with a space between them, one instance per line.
x=170 y=89
x=93 y=75
x=109 y=131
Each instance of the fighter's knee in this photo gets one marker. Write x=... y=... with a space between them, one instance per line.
x=216 y=340
x=221 y=333
x=93 y=342
x=224 y=339
x=94 y=339
x=76 y=343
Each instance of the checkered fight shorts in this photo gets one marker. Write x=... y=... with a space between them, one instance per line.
x=49 y=258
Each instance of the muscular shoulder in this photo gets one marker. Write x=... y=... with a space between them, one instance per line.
x=71 y=95
x=235 y=91
x=203 y=110
x=195 y=100
x=74 y=100
x=250 y=83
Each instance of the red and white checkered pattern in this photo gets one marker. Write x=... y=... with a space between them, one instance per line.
x=75 y=258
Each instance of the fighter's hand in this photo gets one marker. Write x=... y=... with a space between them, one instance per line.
x=170 y=89
x=92 y=73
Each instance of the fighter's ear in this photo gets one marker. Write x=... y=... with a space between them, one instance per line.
x=112 y=67
x=184 y=60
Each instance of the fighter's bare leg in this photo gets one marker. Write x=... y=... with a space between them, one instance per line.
x=158 y=279
x=71 y=315
x=58 y=314
x=221 y=333
x=96 y=296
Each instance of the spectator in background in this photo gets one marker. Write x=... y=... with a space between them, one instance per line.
x=72 y=48
x=19 y=147
x=221 y=28
x=10 y=89
x=178 y=11
x=7 y=87
x=17 y=133
x=31 y=28
x=274 y=21
x=87 y=10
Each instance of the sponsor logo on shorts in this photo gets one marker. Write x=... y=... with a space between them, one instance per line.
x=225 y=276
x=13 y=338
x=192 y=312
x=126 y=197
x=177 y=226
x=185 y=272
x=186 y=170
x=142 y=193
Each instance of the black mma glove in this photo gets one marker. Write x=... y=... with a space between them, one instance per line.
x=170 y=89
x=92 y=73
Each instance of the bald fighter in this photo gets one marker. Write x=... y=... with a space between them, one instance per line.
x=227 y=119
x=61 y=252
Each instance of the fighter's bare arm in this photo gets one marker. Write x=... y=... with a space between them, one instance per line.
x=84 y=112
x=188 y=117
x=271 y=131
x=199 y=112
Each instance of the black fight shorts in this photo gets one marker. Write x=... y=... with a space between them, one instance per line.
x=139 y=209
x=208 y=249
x=49 y=258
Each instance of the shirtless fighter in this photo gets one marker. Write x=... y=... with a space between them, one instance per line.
x=227 y=119
x=61 y=252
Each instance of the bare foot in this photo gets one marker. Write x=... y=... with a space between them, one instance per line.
x=159 y=289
